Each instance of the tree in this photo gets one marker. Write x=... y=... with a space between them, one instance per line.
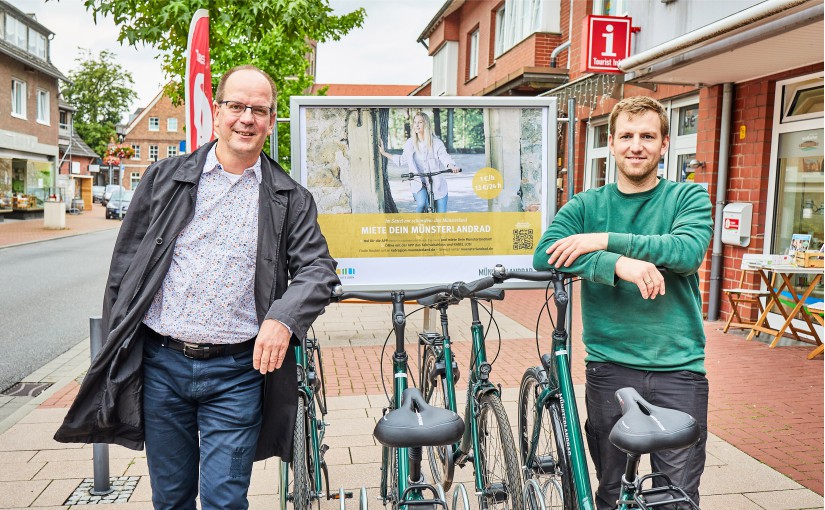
x=273 y=35
x=101 y=90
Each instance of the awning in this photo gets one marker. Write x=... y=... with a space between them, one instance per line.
x=768 y=38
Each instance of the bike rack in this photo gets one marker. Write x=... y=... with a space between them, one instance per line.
x=342 y=497
x=363 y=504
x=459 y=488
x=534 y=487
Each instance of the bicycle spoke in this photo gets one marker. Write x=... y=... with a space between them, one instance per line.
x=498 y=457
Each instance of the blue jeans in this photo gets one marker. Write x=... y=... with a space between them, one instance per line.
x=681 y=389
x=218 y=398
x=422 y=199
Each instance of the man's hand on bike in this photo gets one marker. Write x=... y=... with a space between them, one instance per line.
x=565 y=251
x=270 y=346
x=645 y=275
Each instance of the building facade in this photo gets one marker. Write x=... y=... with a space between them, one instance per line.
x=743 y=83
x=155 y=132
x=28 y=114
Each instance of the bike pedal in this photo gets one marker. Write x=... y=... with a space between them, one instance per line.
x=337 y=495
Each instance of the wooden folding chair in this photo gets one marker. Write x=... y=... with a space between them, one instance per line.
x=816 y=310
x=741 y=295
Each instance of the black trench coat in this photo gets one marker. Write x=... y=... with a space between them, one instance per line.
x=291 y=248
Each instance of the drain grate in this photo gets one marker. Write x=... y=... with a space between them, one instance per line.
x=26 y=389
x=122 y=488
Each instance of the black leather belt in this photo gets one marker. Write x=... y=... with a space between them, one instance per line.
x=199 y=351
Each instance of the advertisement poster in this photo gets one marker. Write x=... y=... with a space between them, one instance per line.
x=413 y=192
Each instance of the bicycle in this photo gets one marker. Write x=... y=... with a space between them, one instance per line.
x=428 y=185
x=409 y=423
x=549 y=430
x=488 y=440
x=310 y=473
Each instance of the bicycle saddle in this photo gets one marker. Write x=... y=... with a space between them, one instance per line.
x=416 y=423
x=645 y=428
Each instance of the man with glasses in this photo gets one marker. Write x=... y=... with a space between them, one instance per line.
x=219 y=265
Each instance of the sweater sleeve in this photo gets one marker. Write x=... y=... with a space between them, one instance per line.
x=441 y=154
x=683 y=248
x=598 y=266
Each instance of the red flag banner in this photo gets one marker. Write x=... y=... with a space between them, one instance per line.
x=199 y=128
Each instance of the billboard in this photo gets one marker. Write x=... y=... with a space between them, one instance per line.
x=413 y=192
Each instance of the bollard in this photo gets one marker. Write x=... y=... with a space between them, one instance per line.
x=100 y=451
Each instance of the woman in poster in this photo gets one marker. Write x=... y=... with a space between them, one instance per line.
x=424 y=153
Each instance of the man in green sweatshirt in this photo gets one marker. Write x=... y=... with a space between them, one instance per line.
x=641 y=327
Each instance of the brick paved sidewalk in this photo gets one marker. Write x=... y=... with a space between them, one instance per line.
x=14 y=232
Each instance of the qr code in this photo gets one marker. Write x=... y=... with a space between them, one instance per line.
x=523 y=239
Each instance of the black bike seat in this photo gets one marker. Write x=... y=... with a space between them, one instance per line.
x=487 y=294
x=645 y=428
x=416 y=423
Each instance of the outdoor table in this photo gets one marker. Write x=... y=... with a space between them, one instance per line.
x=785 y=273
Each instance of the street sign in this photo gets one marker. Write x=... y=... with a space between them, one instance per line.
x=605 y=43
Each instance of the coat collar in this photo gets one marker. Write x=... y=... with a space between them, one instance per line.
x=273 y=176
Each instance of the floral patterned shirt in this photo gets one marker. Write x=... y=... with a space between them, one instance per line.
x=208 y=294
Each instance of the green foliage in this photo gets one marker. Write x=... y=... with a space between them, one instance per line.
x=273 y=35
x=96 y=136
x=100 y=89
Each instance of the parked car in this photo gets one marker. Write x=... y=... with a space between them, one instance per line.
x=118 y=204
x=97 y=194
x=107 y=193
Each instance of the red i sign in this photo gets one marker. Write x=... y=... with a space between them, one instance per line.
x=199 y=129
x=606 y=42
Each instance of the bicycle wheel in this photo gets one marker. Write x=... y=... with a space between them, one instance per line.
x=550 y=464
x=432 y=388
x=303 y=472
x=497 y=457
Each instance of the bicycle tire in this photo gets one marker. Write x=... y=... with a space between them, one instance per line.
x=439 y=458
x=498 y=458
x=303 y=486
x=554 y=467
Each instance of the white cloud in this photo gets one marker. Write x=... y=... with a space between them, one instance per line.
x=383 y=51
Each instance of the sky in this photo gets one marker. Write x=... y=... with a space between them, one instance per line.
x=383 y=51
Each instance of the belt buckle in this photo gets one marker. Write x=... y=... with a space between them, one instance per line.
x=195 y=351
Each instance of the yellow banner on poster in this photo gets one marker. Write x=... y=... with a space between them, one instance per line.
x=416 y=235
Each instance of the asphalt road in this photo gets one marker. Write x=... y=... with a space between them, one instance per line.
x=49 y=291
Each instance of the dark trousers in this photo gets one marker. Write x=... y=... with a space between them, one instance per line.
x=683 y=390
x=202 y=419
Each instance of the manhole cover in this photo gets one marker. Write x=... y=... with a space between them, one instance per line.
x=26 y=389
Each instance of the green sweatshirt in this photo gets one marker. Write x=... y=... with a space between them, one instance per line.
x=669 y=226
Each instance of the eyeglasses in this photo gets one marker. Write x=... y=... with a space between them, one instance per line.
x=237 y=108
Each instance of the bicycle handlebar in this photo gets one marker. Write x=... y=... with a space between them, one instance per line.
x=412 y=175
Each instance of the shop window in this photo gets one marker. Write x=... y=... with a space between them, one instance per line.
x=171 y=124
x=154 y=124
x=803 y=100
x=599 y=165
x=42 y=106
x=136 y=148
x=153 y=153
x=18 y=98
x=171 y=150
x=684 y=122
x=688 y=117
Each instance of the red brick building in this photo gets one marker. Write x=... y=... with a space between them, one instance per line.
x=28 y=114
x=155 y=132
x=743 y=83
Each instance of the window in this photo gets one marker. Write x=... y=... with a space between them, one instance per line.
x=64 y=120
x=134 y=180
x=42 y=106
x=802 y=100
x=136 y=148
x=18 y=98
x=472 y=55
x=153 y=153
x=515 y=21
x=154 y=124
x=37 y=44
x=171 y=124
x=684 y=123
x=445 y=70
x=600 y=168
x=15 y=31
x=171 y=150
